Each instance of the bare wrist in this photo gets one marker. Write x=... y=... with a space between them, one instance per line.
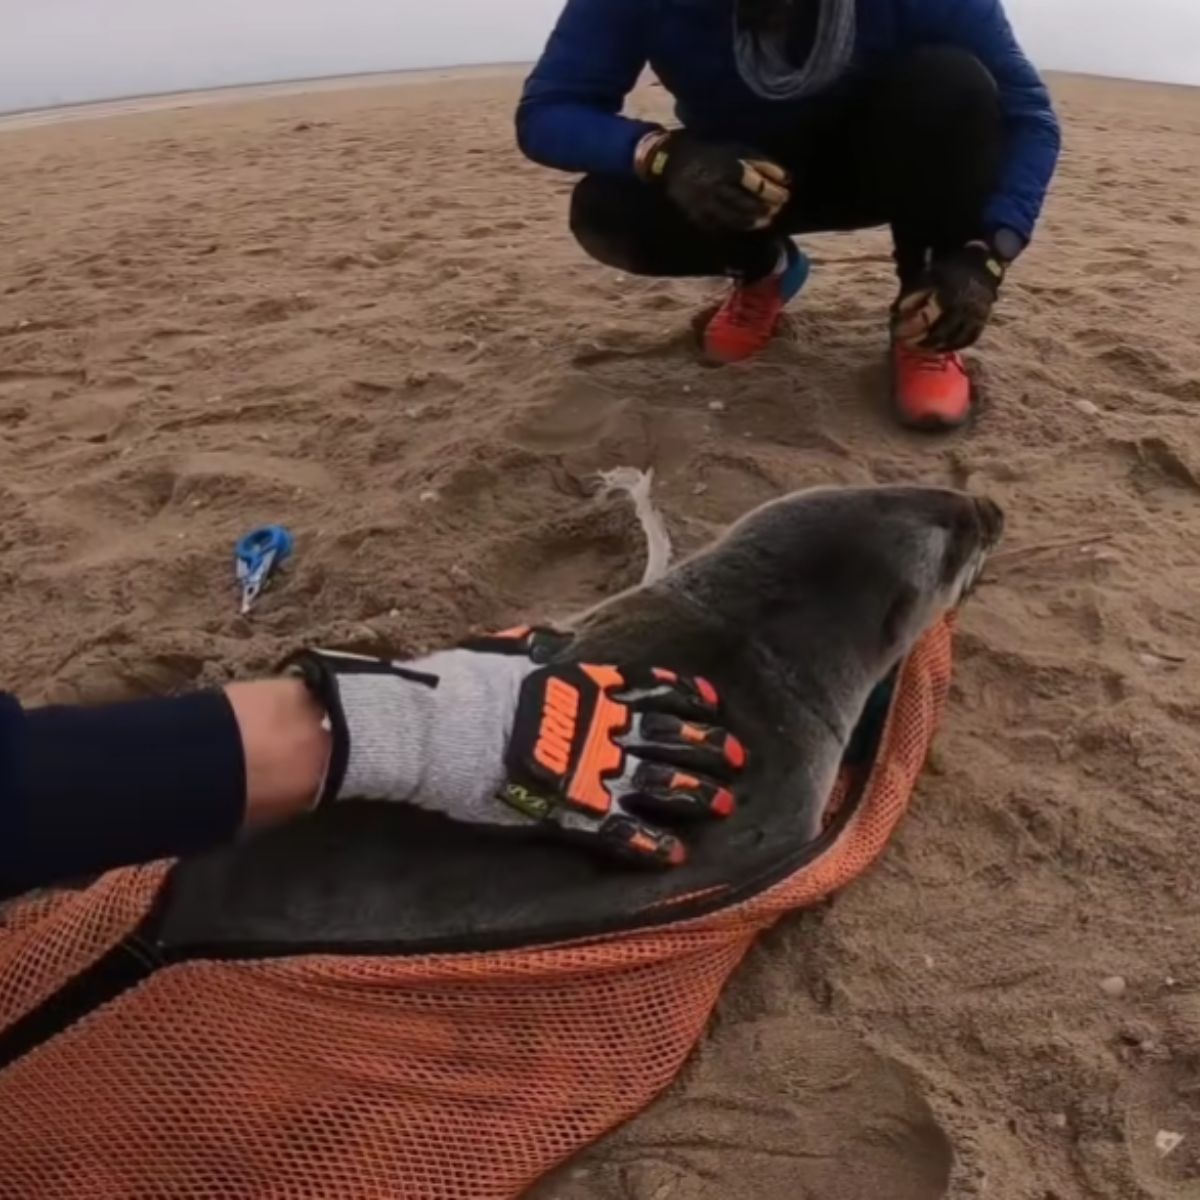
x=286 y=744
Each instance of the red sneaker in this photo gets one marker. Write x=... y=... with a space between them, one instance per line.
x=747 y=320
x=930 y=391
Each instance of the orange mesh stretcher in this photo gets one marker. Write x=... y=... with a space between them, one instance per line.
x=447 y=1076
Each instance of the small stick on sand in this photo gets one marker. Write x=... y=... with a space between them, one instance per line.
x=1073 y=543
x=658 y=541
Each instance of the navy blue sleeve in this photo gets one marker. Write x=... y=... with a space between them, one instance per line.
x=1034 y=136
x=83 y=790
x=569 y=112
x=12 y=805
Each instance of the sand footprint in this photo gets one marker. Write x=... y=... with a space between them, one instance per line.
x=577 y=559
x=576 y=411
x=1158 y=462
x=774 y=1108
x=1162 y=1131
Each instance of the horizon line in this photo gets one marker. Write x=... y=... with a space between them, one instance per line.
x=302 y=83
x=289 y=81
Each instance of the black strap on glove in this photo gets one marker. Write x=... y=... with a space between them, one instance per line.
x=951 y=308
x=720 y=186
x=601 y=753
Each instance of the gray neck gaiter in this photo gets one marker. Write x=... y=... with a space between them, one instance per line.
x=762 y=54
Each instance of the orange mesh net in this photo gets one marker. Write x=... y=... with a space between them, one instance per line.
x=437 y=1077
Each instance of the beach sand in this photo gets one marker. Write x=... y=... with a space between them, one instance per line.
x=359 y=312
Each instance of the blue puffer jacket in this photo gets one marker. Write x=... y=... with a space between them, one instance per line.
x=569 y=114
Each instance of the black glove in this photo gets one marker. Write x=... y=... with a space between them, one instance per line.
x=951 y=307
x=721 y=187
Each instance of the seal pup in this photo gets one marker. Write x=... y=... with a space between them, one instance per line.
x=796 y=614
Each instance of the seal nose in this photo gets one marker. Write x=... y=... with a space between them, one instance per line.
x=991 y=520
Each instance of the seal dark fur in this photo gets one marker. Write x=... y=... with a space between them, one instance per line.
x=796 y=615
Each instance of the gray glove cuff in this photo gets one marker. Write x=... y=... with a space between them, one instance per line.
x=431 y=733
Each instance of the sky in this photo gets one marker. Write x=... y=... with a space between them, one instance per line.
x=67 y=51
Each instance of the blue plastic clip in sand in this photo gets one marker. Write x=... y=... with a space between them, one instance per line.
x=256 y=556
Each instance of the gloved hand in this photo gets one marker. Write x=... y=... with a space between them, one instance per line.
x=952 y=307
x=721 y=187
x=485 y=735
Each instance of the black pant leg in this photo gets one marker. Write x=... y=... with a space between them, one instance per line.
x=822 y=152
x=933 y=146
x=626 y=224
x=916 y=144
